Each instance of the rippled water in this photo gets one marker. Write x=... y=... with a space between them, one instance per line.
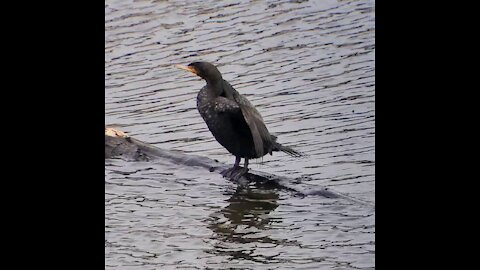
x=309 y=67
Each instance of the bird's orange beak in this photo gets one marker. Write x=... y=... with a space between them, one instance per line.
x=191 y=69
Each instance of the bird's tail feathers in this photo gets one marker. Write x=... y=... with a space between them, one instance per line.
x=288 y=150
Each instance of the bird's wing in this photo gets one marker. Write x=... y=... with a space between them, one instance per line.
x=257 y=128
x=225 y=105
x=254 y=120
x=252 y=117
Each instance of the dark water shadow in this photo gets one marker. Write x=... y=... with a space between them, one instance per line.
x=244 y=223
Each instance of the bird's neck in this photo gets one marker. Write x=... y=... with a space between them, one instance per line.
x=216 y=86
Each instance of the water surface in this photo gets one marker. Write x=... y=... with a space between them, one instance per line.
x=308 y=67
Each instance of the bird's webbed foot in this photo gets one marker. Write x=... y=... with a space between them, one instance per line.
x=228 y=172
x=238 y=173
x=234 y=173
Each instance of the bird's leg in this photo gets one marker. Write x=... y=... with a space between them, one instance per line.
x=228 y=172
x=237 y=162
x=237 y=174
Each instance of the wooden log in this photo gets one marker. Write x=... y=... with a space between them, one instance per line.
x=118 y=144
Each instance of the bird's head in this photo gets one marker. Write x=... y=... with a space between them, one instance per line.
x=204 y=70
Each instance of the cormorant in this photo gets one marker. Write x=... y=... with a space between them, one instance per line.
x=233 y=120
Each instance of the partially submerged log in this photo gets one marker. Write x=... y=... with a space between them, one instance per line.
x=119 y=144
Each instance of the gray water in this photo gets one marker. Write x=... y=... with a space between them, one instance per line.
x=308 y=67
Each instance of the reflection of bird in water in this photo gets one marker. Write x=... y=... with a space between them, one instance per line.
x=233 y=120
x=245 y=220
x=249 y=207
x=246 y=223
